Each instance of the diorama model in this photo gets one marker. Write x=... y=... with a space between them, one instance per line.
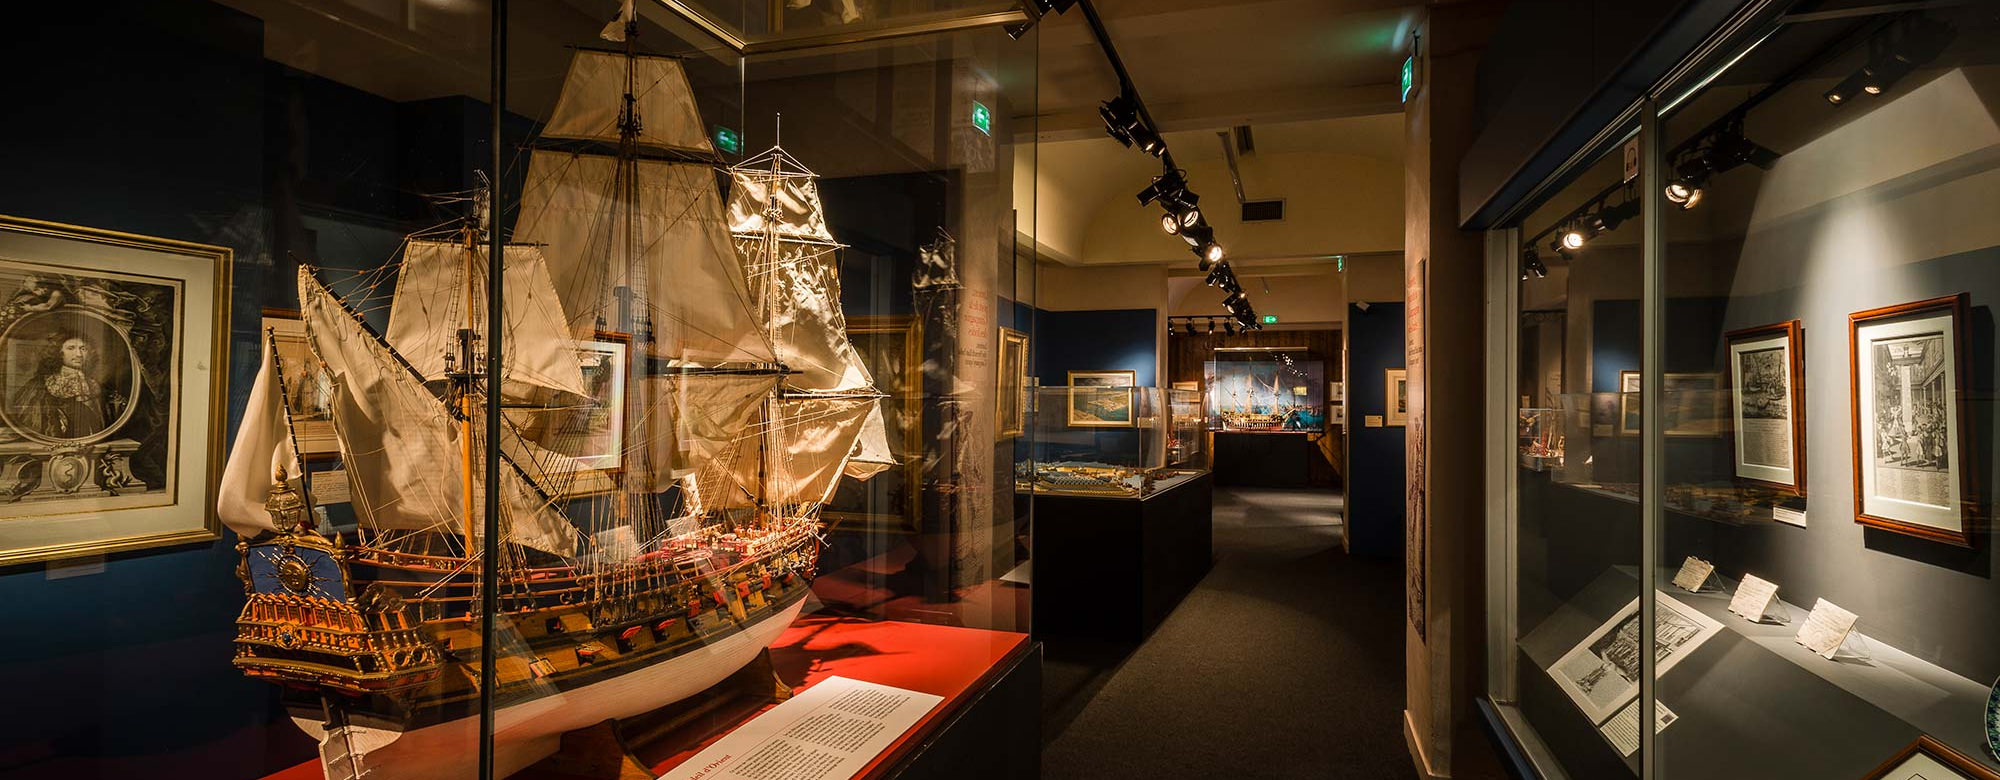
x=626 y=582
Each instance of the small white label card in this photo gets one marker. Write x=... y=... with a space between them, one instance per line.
x=830 y=731
x=1753 y=597
x=1622 y=730
x=1694 y=572
x=1788 y=516
x=1826 y=628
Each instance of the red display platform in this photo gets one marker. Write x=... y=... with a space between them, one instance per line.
x=946 y=661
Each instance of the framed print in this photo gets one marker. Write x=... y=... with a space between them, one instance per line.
x=1929 y=759
x=891 y=346
x=1906 y=368
x=595 y=433
x=112 y=350
x=1396 y=395
x=1630 y=416
x=1101 y=399
x=330 y=491
x=1009 y=399
x=308 y=385
x=1768 y=409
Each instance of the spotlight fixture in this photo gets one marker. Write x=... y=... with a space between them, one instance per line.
x=1573 y=238
x=1053 y=6
x=1170 y=224
x=1120 y=115
x=1233 y=300
x=1190 y=327
x=1210 y=252
x=1216 y=275
x=1211 y=326
x=1169 y=188
x=1229 y=327
x=1531 y=265
x=1893 y=54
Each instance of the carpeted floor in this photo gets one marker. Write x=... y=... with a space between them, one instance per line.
x=1286 y=662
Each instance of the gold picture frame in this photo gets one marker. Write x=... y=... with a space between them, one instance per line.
x=1101 y=399
x=114 y=350
x=891 y=346
x=1395 y=397
x=1010 y=396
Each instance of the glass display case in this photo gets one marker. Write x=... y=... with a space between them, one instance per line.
x=1274 y=393
x=1764 y=354
x=1187 y=431
x=424 y=400
x=1112 y=441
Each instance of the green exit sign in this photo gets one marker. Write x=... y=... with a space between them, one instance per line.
x=1270 y=319
x=982 y=117
x=728 y=140
x=1409 y=76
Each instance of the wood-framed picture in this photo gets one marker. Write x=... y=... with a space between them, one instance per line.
x=1396 y=397
x=891 y=346
x=113 y=356
x=1101 y=399
x=1768 y=408
x=308 y=385
x=1906 y=370
x=596 y=432
x=1929 y=759
x=1630 y=416
x=1010 y=397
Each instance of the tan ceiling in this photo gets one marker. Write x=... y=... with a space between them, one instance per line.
x=1203 y=64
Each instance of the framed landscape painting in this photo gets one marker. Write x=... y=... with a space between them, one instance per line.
x=1906 y=366
x=112 y=356
x=1101 y=399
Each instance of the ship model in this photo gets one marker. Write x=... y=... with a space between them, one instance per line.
x=621 y=588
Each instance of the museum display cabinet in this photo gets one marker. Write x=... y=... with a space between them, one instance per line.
x=1112 y=440
x=285 y=501
x=1748 y=403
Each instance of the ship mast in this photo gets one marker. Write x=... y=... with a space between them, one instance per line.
x=463 y=380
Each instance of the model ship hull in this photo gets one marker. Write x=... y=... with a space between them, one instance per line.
x=529 y=731
x=387 y=679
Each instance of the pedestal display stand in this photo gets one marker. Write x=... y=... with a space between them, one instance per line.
x=987 y=728
x=1114 y=568
x=1279 y=459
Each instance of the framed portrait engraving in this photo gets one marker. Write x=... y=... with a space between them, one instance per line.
x=308 y=384
x=1010 y=397
x=1768 y=410
x=1906 y=368
x=1929 y=759
x=1630 y=416
x=112 y=356
x=1396 y=397
x=1101 y=399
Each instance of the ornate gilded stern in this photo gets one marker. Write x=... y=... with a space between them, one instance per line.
x=298 y=625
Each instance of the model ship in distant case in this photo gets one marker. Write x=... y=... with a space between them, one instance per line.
x=744 y=406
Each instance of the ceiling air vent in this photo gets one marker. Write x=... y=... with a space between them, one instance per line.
x=1263 y=210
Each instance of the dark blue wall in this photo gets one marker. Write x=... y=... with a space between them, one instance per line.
x=1107 y=339
x=1375 y=456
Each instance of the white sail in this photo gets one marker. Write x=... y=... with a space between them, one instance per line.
x=593 y=95
x=430 y=306
x=872 y=453
x=263 y=446
x=399 y=443
x=698 y=421
x=818 y=436
x=682 y=269
x=808 y=330
x=755 y=191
